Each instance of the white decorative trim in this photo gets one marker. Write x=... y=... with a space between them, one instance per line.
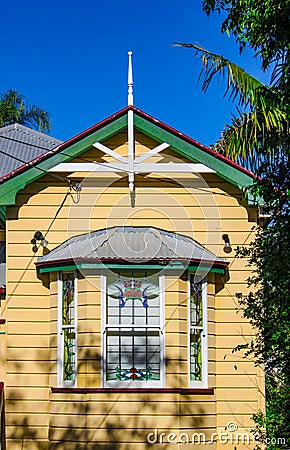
x=162 y=328
x=103 y=328
x=133 y=167
x=131 y=150
x=110 y=152
x=152 y=152
x=130 y=80
x=59 y=331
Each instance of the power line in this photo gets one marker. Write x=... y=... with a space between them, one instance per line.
x=8 y=138
x=29 y=163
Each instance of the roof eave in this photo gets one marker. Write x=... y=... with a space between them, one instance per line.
x=161 y=261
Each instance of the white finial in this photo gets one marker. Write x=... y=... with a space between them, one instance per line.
x=130 y=80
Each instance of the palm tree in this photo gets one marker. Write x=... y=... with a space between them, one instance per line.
x=249 y=138
x=14 y=108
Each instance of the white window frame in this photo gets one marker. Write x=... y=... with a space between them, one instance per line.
x=104 y=326
x=60 y=337
x=203 y=383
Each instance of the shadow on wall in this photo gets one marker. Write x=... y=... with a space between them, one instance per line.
x=97 y=421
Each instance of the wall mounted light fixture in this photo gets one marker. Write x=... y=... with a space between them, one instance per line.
x=227 y=247
x=38 y=236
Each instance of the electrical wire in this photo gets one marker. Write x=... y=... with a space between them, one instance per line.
x=29 y=163
x=25 y=143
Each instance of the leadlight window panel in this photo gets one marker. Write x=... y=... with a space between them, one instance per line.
x=68 y=344
x=132 y=334
x=197 y=331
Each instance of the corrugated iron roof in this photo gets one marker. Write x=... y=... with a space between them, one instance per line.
x=129 y=244
x=20 y=144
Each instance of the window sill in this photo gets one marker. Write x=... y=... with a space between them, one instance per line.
x=181 y=391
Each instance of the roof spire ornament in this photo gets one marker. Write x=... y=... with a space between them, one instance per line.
x=130 y=80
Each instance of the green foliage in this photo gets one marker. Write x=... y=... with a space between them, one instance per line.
x=14 y=109
x=264 y=117
x=268 y=306
x=259 y=138
x=262 y=25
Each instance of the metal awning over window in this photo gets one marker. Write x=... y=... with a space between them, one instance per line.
x=130 y=246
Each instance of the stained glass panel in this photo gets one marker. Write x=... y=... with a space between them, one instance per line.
x=195 y=355
x=133 y=328
x=196 y=304
x=196 y=330
x=68 y=327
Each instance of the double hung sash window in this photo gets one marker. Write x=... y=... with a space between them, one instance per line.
x=133 y=331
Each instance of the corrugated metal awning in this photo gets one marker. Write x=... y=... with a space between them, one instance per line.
x=130 y=245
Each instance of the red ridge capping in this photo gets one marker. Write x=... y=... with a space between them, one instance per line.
x=181 y=391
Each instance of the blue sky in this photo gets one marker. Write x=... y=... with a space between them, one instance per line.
x=71 y=58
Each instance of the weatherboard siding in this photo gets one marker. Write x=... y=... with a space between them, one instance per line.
x=203 y=210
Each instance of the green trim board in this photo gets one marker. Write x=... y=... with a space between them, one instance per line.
x=2 y=216
x=88 y=266
x=10 y=188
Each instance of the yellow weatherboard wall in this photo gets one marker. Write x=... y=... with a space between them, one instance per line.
x=202 y=207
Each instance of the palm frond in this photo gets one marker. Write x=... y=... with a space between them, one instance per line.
x=241 y=86
x=250 y=133
x=14 y=109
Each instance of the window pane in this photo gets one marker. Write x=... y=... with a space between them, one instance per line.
x=136 y=357
x=195 y=355
x=69 y=354
x=196 y=304
x=68 y=299
x=133 y=354
x=68 y=333
x=133 y=299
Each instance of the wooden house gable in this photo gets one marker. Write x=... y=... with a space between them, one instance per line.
x=105 y=147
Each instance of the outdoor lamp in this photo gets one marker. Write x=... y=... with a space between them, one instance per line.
x=227 y=247
x=38 y=236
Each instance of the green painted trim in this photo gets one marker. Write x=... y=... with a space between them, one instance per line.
x=10 y=188
x=129 y=267
x=3 y=215
x=57 y=268
x=206 y=269
x=195 y=154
